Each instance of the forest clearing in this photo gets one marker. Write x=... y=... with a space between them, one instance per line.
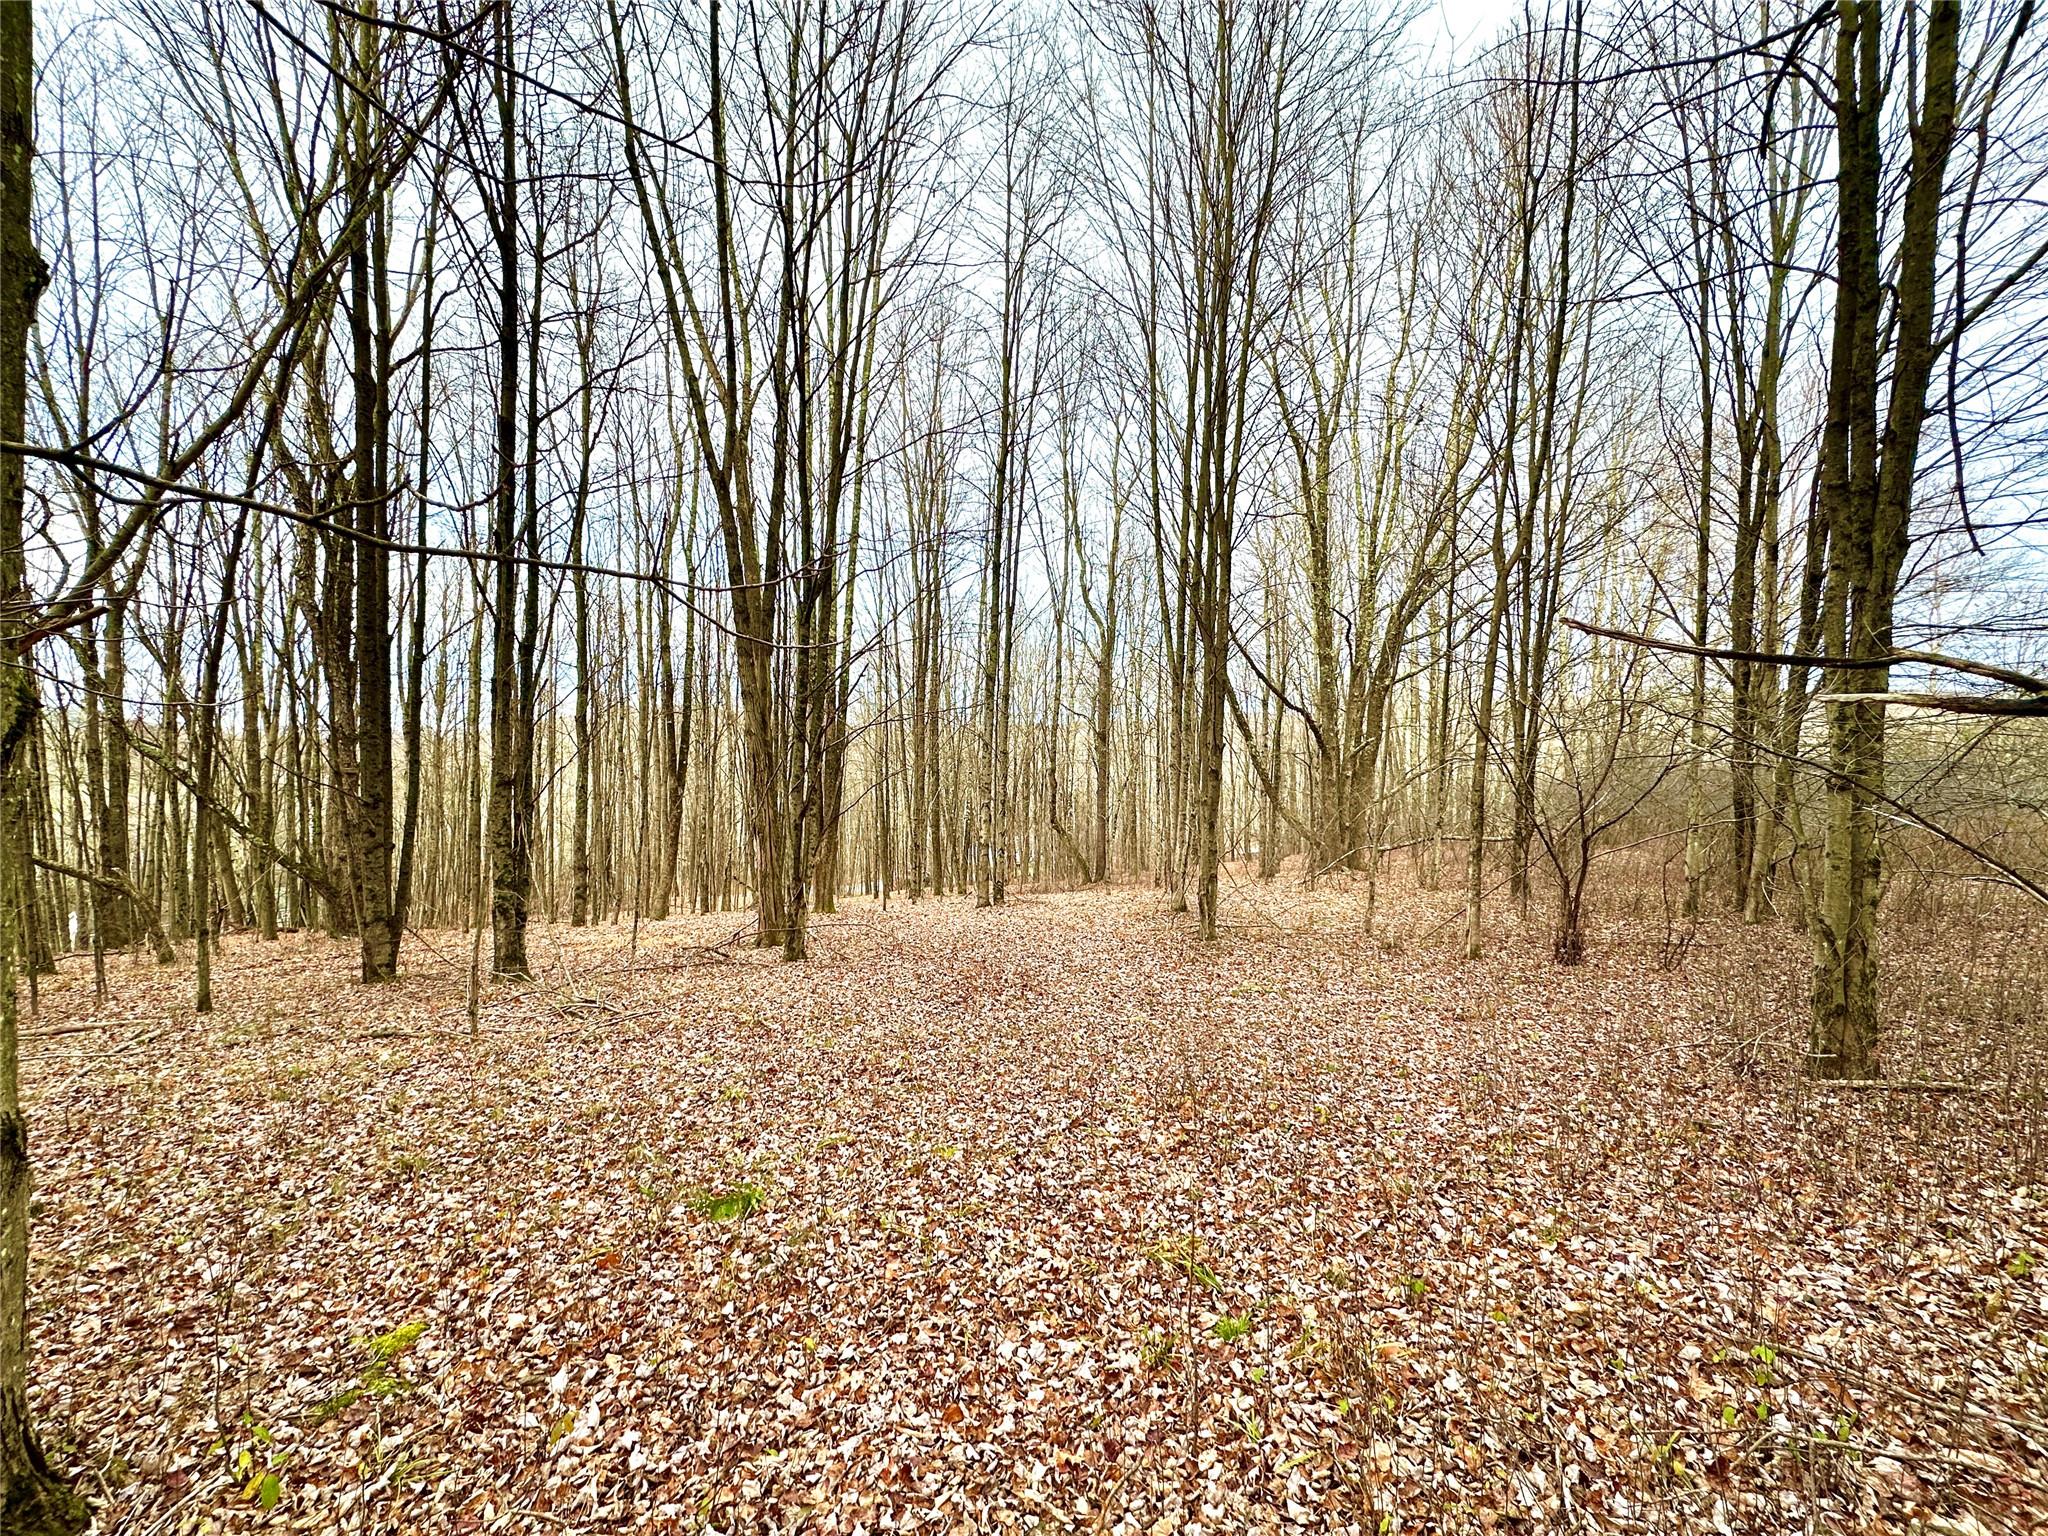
x=1100 y=766
x=1040 y=1217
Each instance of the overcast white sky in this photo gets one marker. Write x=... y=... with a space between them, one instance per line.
x=1462 y=24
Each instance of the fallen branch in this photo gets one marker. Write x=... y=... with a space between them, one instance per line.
x=122 y=886
x=85 y=1028
x=2030 y=707
x=1890 y=1085
x=2022 y=681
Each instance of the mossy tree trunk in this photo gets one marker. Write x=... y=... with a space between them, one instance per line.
x=1867 y=467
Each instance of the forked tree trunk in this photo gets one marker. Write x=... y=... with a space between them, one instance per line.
x=1867 y=470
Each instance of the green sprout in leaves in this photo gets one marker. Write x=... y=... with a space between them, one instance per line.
x=262 y=1479
x=1155 y=1349
x=379 y=1379
x=735 y=1204
x=1765 y=1357
x=1187 y=1255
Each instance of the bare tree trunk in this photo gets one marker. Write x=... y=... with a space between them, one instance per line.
x=33 y=1501
x=370 y=814
x=508 y=895
x=1868 y=463
x=207 y=729
x=416 y=651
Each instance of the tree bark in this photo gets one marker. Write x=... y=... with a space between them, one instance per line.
x=1867 y=472
x=33 y=1500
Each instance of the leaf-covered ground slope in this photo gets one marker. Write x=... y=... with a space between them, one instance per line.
x=1042 y=1218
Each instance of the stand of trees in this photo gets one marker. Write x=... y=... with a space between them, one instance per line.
x=542 y=460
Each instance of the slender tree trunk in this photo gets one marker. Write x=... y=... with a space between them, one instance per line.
x=416 y=637
x=508 y=896
x=207 y=729
x=370 y=814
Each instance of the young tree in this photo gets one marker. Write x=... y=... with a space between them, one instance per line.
x=1241 y=106
x=803 y=219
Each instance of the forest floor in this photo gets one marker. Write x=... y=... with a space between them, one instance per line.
x=1046 y=1217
